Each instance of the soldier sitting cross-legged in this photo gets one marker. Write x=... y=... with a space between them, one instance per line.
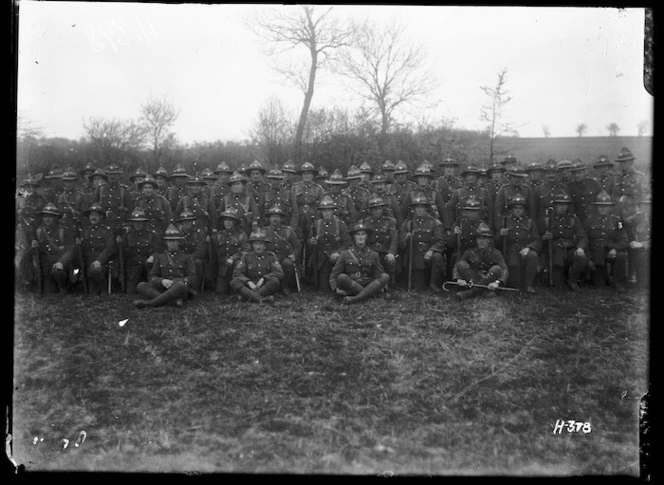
x=258 y=274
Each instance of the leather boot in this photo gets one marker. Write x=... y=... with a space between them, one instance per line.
x=465 y=294
x=368 y=291
x=249 y=294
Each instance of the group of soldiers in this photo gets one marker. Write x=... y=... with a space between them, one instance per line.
x=255 y=232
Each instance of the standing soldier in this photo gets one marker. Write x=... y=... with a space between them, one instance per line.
x=210 y=179
x=71 y=202
x=465 y=229
x=516 y=176
x=113 y=197
x=483 y=178
x=136 y=178
x=357 y=273
x=328 y=237
x=279 y=194
x=495 y=182
x=257 y=275
x=424 y=234
x=640 y=243
x=607 y=245
x=55 y=245
x=401 y=185
x=282 y=241
x=140 y=244
x=220 y=188
x=290 y=174
x=483 y=265
x=242 y=202
x=230 y=244
x=583 y=190
x=52 y=186
x=545 y=193
x=383 y=236
x=155 y=206
x=197 y=202
x=194 y=242
x=321 y=175
x=179 y=187
x=28 y=217
x=604 y=175
x=392 y=208
x=508 y=163
x=97 y=248
x=344 y=205
x=437 y=208
x=471 y=188
x=447 y=183
x=564 y=174
x=520 y=243
x=87 y=187
x=257 y=186
x=172 y=276
x=308 y=195
x=388 y=169
x=534 y=172
x=358 y=194
x=366 y=173
x=569 y=241
x=162 y=178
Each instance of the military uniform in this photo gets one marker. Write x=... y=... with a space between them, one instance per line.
x=115 y=201
x=509 y=191
x=640 y=243
x=162 y=178
x=463 y=193
x=52 y=187
x=243 y=203
x=307 y=195
x=254 y=267
x=71 y=203
x=465 y=228
x=384 y=237
x=138 y=246
x=436 y=208
x=282 y=241
x=358 y=273
x=327 y=239
x=55 y=244
x=230 y=245
x=156 y=208
x=179 y=187
x=281 y=196
x=400 y=186
x=358 y=194
x=97 y=244
x=194 y=243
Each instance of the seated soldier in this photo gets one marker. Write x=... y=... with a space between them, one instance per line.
x=257 y=275
x=55 y=244
x=465 y=227
x=569 y=241
x=283 y=242
x=520 y=243
x=482 y=265
x=231 y=242
x=358 y=274
x=97 y=247
x=140 y=245
x=607 y=245
x=327 y=238
x=384 y=238
x=171 y=276
x=424 y=233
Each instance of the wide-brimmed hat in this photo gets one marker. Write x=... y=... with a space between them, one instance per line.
x=322 y=173
x=603 y=161
x=179 y=171
x=483 y=230
x=69 y=174
x=471 y=203
x=147 y=180
x=256 y=165
x=517 y=199
x=288 y=167
x=223 y=168
x=275 y=174
x=423 y=171
x=565 y=165
x=172 y=233
x=51 y=209
x=236 y=177
x=96 y=207
x=470 y=169
x=327 y=203
x=360 y=226
x=88 y=167
x=196 y=180
x=578 y=166
x=307 y=167
x=258 y=235
x=98 y=173
x=113 y=169
x=31 y=181
x=230 y=213
x=495 y=167
x=388 y=166
x=625 y=155
x=161 y=172
x=516 y=171
x=550 y=166
x=186 y=215
x=379 y=178
x=603 y=198
x=562 y=198
x=419 y=199
x=365 y=168
x=55 y=172
x=508 y=159
x=400 y=167
x=353 y=173
x=336 y=178
x=207 y=174
x=138 y=173
x=534 y=167
x=275 y=210
x=376 y=202
x=138 y=215
x=448 y=162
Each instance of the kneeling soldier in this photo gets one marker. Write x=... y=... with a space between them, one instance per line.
x=231 y=243
x=171 y=276
x=520 y=242
x=607 y=245
x=482 y=265
x=358 y=273
x=258 y=274
x=55 y=243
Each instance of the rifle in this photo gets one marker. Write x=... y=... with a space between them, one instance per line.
x=473 y=285
x=410 y=257
x=83 y=268
x=37 y=262
x=550 y=244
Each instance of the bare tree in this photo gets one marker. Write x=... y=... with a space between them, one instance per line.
x=546 y=131
x=313 y=28
x=581 y=129
x=158 y=116
x=112 y=140
x=273 y=130
x=388 y=70
x=613 y=129
x=493 y=111
x=641 y=128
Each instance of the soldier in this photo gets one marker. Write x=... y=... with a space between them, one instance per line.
x=194 y=242
x=545 y=193
x=290 y=174
x=242 y=202
x=257 y=186
x=357 y=273
x=52 y=186
x=447 y=183
x=279 y=194
x=282 y=241
x=520 y=243
x=383 y=236
x=424 y=234
x=465 y=228
x=87 y=187
x=220 y=188
x=344 y=205
x=321 y=175
x=564 y=174
x=366 y=174
x=564 y=231
x=437 y=208
x=172 y=277
x=482 y=265
x=516 y=176
x=28 y=217
x=392 y=207
x=607 y=245
x=328 y=237
x=583 y=190
x=257 y=275
x=604 y=175
x=140 y=244
x=136 y=178
x=71 y=202
x=155 y=206
x=508 y=163
x=162 y=179
x=388 y=169
x=640 y=243
x=97 y=247
x=308 y=195
x=401 y=185
x=179 y=177
x=197 y=202
x=483 y=178
x=55 y=245
x=230 y=244
x=534 y=172
x=495 y=182
x=471 y=188
x=113 y=197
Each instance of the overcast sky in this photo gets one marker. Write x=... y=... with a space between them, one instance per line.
x=566 y=66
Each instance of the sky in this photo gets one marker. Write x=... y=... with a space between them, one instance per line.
x=565 y=66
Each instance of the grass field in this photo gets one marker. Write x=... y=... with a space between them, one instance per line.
x=419 y=384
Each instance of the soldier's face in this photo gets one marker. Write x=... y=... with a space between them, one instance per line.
x=515 y=180
x=448 y=171
x=483 y=242
x=48 y=219
x=228 y=223
x=420 y=210
x=604 y=210
x=275 y=219
x=147 y=190
x=327 y=214
x=97 y=181
x=179 y=181
x=307 y=176
x=138 y=180
x=470 y=179
x=237 y=187
x=255 y=175
x=379 y=187
x=95 y=218
x=579 y=174
x=138 y=225
x=258 y=246
x=422 y=181
x=334 y=188
x=560 y=208
x=364 y=177
x=518 y=210
x=161 y=181
x=288 y=176
x=360 y=238
x=551 y=176
x=172 y=245
x=534 y=175
x=400 y=177
x=274 y=182
x=195 y=189
x=376 y=212
x=496 y=175
x=186 y=226
x=624 y=166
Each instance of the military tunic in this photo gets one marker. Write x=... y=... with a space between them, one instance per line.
x=505 y=194
x=544 y=195
x=157 y=209
x=115 y=202
x=583 y=194
x=230 y=245
x=138 y=246
x=459 y=197
x=478 y=266
x=202 y=207
x=246 y=208
x=253 y=266
x=345 y=207
x=308 y=196
x=427 y=235
x=176 y=266
x=605 y=233
x=72 y=204
x=361 y=265
x=436 y=209
x=285 y=200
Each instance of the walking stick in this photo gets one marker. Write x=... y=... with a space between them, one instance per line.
x=473 y=285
